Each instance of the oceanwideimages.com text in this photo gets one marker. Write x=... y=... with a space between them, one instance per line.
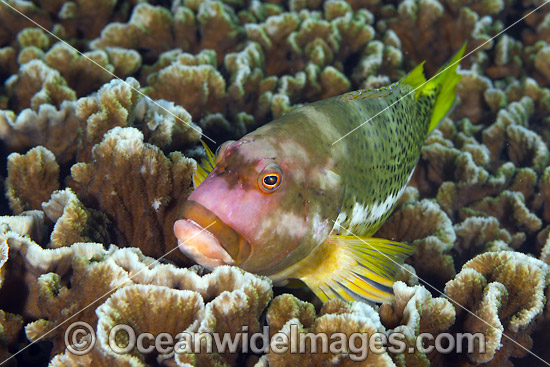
x=80 y=339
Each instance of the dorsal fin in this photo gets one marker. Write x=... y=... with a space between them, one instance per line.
x=370 y=93
x=205 y=167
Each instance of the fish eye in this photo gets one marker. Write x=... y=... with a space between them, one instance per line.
x=270 y=178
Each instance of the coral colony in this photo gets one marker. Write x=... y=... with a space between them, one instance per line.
x=96 y=174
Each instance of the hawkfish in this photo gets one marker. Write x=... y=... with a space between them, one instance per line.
x=301 y=197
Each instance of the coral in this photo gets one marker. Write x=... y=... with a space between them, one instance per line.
x=479 y=234
x=248 y=86
x=164 y=124
x=415 y=312
x=10 y=326
x=507 y=58
x=110 y=107
x=55 y=129
x=336 y=319
x=84 y=72
x=272 y=35
x=3 y=256
x=11 y=22
x=29 y=223
x=509 y=208
x=504 y=293
x=33 y=37
x=287 y=307
x=32 y=178
x=447 y=29
x=73 y=222
x=429 y=230
x=472 y=90
x=199 y=89
x=8 y=63
x=125 y=62
x=139 y=189
x=380 y=61
x=37 y=84
x=224 y=302
x=118 y=103
x=538 y=55
x=27 y=261
x=146 y=27
x=219 y=27
x=86 y=17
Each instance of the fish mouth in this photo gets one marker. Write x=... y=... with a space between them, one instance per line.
x=206 y=239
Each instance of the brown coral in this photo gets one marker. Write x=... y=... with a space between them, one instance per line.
x=55 y=129
x=413 y=313
x=37 y=84
x=335 y=320
x=429 y=230
x=32 y=178
x=199 y=89
x=147 y=25
x=73 y=222
x=503 y=293
x=28 y=261
x=232 y=300
x=138 y=187
x=111 y=107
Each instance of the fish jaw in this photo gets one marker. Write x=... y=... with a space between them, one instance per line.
x=200 y=245
x=208 y=240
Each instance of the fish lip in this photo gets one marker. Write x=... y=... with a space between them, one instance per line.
x=201 y=245
x=236 y=248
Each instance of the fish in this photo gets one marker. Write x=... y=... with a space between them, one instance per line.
x=301 y=197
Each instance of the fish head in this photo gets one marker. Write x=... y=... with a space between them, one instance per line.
x=259 y=208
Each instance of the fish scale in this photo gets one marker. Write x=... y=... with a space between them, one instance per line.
x=384 y=151
x=300 y=197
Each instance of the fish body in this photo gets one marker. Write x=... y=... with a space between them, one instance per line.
x=301 y=196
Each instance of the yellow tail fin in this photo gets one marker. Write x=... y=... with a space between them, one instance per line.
x=443 y=84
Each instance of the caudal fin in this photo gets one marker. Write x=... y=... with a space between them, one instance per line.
x=443 y=84
x=355 y=268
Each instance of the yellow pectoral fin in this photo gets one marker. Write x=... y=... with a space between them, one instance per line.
x=205 y=167
x=354 y=268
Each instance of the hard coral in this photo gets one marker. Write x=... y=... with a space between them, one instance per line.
x=289 y=316
x=199 y=89
x=413 y=313
x=504 y=294
x=74 y=222
x=146 y=27
x=55 y=129
x=28 y=261
x=32 y=178
x=223 y=302
x=110 y=107
x=37 y=84
x=429 y=230
x=84 y=72
x=139 y=189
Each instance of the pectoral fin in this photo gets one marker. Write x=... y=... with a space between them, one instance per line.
x=354 y=268
x=205 y=167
